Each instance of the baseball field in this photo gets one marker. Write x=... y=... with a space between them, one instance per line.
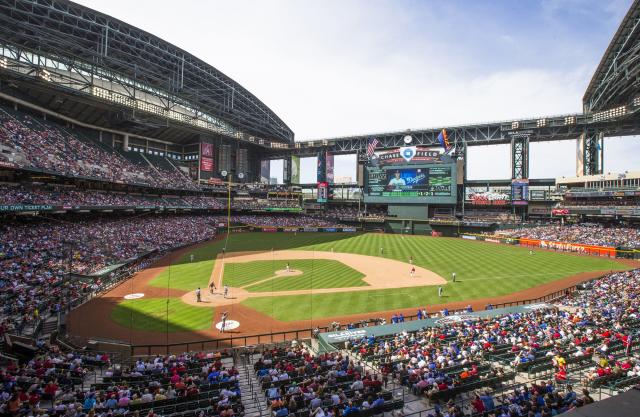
x=284 y=279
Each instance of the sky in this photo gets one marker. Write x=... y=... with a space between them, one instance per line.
x=340 y=67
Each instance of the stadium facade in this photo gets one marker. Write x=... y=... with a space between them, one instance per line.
x=138 y=93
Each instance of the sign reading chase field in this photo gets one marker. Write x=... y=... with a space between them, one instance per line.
x=408 y=154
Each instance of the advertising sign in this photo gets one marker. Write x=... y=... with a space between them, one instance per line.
x=206 y=164
x=329 y=164
x=323 y=192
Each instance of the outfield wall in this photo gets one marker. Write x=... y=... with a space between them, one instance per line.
x=608 y=251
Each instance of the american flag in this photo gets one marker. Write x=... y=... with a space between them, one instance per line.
x=371 y=147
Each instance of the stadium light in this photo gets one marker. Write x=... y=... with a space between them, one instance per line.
x=570 y=120
x=515 y=125
x=45 y=75
x=3 y=63
x=636 y=101
x=610 y=114
x=541 y=122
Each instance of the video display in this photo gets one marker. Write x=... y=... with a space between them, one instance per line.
x=415 y=184
x=407 y=179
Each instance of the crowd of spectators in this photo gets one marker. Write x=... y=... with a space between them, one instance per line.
x=588 y=234
x=275 y=220
x=602 y=320
x=46 y=385
x=330 y=384
x=260 y=204
x=598 y=202
x=70 y=197
x=42 y=145
x=37 y=253
x=352 y=212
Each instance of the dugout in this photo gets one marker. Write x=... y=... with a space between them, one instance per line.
x=330 y=341
x=627 y=252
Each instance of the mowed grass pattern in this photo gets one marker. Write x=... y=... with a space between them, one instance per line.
x=482 y=269
x=316 y=273
x=150 y=314
x=186 y=275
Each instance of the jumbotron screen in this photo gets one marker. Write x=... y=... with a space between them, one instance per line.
x=411 y=184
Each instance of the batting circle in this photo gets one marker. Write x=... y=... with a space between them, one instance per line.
x=134 y=296
x=229 y=325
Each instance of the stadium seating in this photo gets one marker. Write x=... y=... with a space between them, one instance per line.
x=43 y=145
x=588 y=234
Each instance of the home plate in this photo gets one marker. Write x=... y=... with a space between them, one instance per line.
x=229 y=325
x=134 y=296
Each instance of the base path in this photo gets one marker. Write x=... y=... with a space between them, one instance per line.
x=379 y=273
x=92 y=319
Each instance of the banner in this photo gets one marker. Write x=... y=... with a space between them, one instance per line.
x=323 y=192
x=25 y=207
x=559 y=212
x=295 y=169
x=206 y=149
x=321 y=171
x=206 y=164
x=265 y=170
x=569 y=247
x=329 y=166
x=580 y=155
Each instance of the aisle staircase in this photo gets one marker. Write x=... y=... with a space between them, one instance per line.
x=253 y=399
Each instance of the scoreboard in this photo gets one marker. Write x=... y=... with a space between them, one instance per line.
x=423 y=184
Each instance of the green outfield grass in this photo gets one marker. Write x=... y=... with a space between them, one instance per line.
x=150 y=314
x=316 y=273
x=482 y=269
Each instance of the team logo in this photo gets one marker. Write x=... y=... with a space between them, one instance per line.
x=408 y=152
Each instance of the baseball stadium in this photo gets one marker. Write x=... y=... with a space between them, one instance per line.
x=164 y=253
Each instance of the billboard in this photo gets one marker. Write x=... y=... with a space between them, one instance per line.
x=411 y=184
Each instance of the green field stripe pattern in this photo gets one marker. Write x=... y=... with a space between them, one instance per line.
x=150 y=314
x=186 y=275
x=316 y=274
x=482 y=270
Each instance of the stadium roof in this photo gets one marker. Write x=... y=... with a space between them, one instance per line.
x=83 y=41
x=616 y=80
